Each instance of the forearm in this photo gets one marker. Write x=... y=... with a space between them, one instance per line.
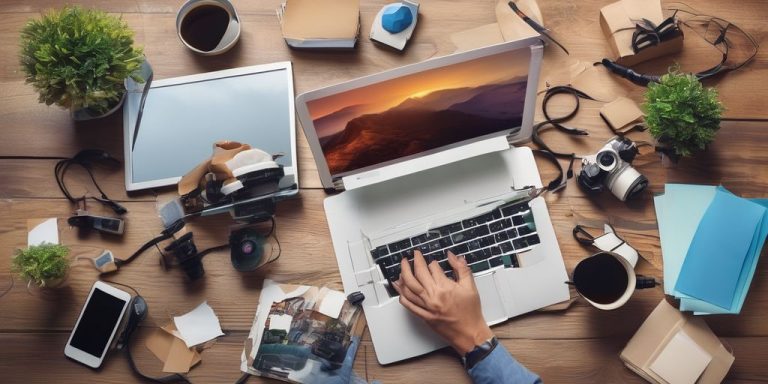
x=500 y=367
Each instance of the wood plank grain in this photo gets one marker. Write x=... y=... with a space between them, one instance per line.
x=566 y=361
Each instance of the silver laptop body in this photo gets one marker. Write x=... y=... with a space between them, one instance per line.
x=402 y=182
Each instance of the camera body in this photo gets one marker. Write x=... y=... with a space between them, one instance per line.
x=611 y=168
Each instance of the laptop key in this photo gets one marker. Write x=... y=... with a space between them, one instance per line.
x=533 y=239
x=497 y=226
x=439 y=255
x=473 y=245
x=518 y=220
x=501 y=236
x=400 y=245
x=379 y=252
x=506 y=247
x=460 y=249
x=495 y=251
x=496 y=214
x=510 y=210
x=473 y=257
x=416 y=240
x=445 y=242
x=479 y=267
x=487 y=241
x=495 y=262
x=511 y=233
x=477 y=220
x=524 y=230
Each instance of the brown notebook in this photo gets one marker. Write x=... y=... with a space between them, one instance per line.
x=671 y=347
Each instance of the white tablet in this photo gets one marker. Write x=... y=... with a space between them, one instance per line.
x=97 y=324
x=184 y=116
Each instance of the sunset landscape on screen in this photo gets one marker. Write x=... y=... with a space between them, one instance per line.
x=392 y=120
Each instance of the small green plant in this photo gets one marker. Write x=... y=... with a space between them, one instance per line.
x=78 y=58
x=41 y=264
x=681 y=113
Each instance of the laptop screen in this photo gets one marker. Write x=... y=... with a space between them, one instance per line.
x=412 y=115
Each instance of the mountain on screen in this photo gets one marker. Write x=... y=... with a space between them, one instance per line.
x=422 y=123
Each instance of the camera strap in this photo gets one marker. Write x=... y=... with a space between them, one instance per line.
x=609 y=241
x=556 y=122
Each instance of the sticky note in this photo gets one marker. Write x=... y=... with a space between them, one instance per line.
x=681 y=361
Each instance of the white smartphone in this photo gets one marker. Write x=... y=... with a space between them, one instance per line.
x=97 y=324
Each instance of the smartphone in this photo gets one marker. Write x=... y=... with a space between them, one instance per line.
x=98 y=322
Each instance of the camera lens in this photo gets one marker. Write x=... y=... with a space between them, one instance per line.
x=606 y=160
x=186 y=253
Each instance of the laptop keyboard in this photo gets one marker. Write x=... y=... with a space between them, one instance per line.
x=486 y=241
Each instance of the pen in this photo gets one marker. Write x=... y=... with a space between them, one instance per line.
x=536 y=26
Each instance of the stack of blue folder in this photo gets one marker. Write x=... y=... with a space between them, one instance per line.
x=711 y=241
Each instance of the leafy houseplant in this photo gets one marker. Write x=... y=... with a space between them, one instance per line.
x=78 y=58
x=681 y=114
x=46 y=264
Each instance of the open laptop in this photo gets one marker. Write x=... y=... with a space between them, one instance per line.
x=423 y=156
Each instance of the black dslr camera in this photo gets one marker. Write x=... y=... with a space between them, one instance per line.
x=611 y=168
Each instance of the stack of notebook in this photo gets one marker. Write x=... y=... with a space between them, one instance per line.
x=710 y=241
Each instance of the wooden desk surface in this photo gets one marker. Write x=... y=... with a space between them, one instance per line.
x=578 y=345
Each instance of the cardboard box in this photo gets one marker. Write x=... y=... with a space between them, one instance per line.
x=320 y=23
x=618 y=23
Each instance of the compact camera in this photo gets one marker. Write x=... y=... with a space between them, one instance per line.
x=611 y=168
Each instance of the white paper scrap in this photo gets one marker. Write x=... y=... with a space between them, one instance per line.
x=45 y=232
x=331 y=304
x=682 y=361
x=282 y=322
x=199 y=325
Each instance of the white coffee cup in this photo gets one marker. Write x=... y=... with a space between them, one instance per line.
x=208 y=27
x=606 y=279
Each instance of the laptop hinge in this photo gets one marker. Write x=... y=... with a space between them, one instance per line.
x=510 y=140
x=338 y=184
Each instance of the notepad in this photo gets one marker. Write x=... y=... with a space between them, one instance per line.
x=681 y=361
x=717 y=253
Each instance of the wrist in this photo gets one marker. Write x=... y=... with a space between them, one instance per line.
x=470 y=340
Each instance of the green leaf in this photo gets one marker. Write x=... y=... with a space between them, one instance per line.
x=72 y=51
x=681 y=113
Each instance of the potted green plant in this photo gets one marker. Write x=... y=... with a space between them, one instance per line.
x=45 y=265
x=682 y=114
x=79 y=59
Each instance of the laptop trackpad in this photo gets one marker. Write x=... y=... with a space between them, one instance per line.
x=493 y=308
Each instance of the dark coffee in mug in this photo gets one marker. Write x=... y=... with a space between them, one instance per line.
x=204 y=26
x=601 y=278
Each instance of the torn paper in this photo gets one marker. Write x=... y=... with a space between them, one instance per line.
x=42 y=231
x=199 y=325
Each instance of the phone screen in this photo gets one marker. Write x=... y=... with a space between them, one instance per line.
x=97 y=323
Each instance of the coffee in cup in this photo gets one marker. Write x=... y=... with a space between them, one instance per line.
x=208 y=27
x=606 y=280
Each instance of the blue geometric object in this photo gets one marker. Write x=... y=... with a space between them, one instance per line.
x=396 y=18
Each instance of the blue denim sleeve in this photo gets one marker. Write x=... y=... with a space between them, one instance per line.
x=500 y=367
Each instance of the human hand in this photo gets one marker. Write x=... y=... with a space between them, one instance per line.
x=451 y=308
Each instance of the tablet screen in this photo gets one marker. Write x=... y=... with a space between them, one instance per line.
x=182 y=119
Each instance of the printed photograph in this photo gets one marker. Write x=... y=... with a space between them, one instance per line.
x=302 y=345
x=409 y=115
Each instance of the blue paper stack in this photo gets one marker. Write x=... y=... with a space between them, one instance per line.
x=710 y=241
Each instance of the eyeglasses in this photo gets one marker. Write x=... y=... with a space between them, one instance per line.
x=737 y=46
